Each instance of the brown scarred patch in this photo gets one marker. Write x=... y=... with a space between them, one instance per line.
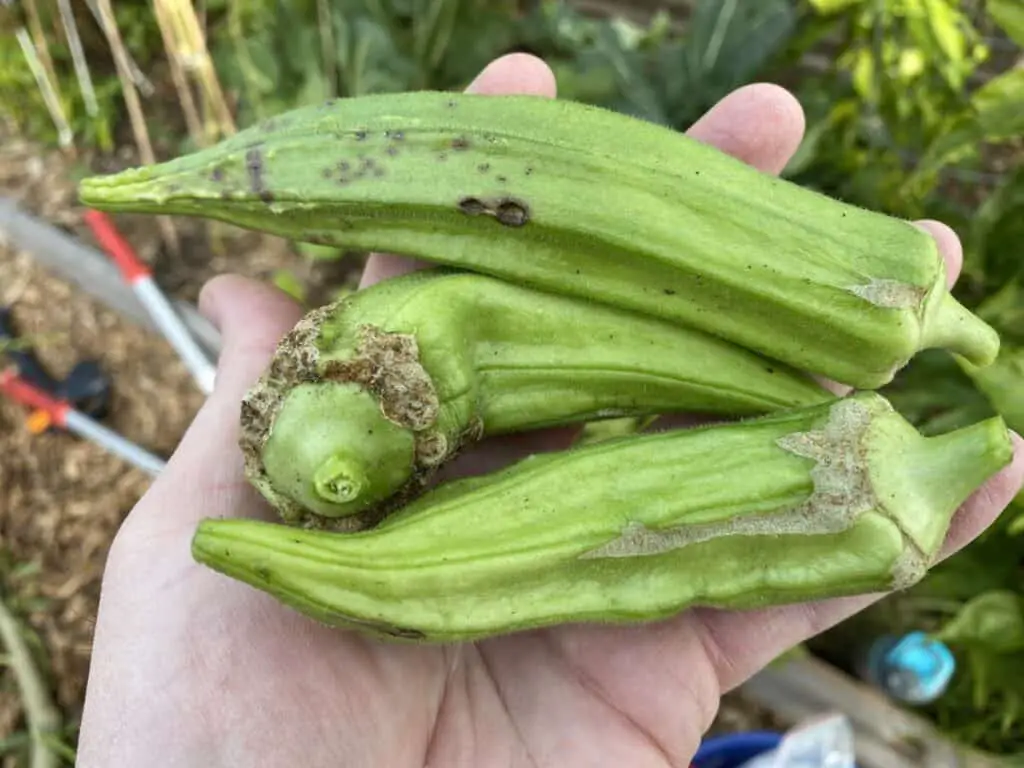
x=217 y=175
x=388 y=366
x=460 y=143
x=360 y=135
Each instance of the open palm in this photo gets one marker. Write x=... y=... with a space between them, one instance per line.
x=193 y=669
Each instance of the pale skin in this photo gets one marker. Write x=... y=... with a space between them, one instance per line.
x=190 y=668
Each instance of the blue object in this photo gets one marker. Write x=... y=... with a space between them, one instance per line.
x=734 y=749
x=914 y=668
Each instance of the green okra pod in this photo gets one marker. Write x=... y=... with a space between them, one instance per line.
x=834 y=499
x=366 y=397
x=588 y=202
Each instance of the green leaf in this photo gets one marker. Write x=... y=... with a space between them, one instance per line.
x=1009 y=15
x=993 y=621
x=1002 y=382
x=290 y=284
x=999 y=105
x=833 y=6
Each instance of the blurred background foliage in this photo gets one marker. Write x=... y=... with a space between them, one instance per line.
x=914 y=108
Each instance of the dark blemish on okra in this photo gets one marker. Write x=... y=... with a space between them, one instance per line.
x=254 y=166
x=326 y=173
x=392 y=150
x=513 y=213
x=471 y=206
x=442 y=156
x=501 y=179
x=396 y=135
x=217 y=174
x=484 y=167
x=669 y=292
x=529 y=170
x=360 y=135
x=460 y=143
x=509 y=212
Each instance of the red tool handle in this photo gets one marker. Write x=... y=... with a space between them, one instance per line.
x=20 y=391
x=116 y=246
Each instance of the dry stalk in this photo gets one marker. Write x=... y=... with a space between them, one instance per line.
x=67 y=17
x=185 y=98
x=190 y=47
x=138 y=121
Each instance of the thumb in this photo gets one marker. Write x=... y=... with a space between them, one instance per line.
x=205 y=475
x=252 y=317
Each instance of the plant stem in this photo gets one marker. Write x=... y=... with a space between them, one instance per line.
x=42 y=715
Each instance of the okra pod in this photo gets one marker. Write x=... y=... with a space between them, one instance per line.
x=833 y=499
x=582 y=201
x=367 y=397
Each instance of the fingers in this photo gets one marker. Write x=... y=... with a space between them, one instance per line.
x=949 y=247
x=515 y=73
x=760 y=124
x=251 y=317
x=204 y=477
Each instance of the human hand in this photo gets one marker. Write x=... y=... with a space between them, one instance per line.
x=190 y=668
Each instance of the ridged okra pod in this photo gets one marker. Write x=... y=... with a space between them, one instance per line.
x=834 y=499
x=366 y=397
x=582 y=201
